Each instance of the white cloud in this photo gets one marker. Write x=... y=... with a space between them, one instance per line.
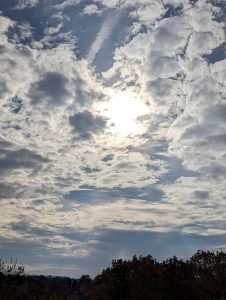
x=91 y=9
x=67 y=3
x=26 y=3
x=5 y=24
x=148 y=13
x=53 y=30
x=203 y=43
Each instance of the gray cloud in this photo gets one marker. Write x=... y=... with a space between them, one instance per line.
x=3 y=88
x=201 y=194
x=51 y=89
x=26 y=228
x=164 y=92
x=84 y=124
x=8 y=191
x=16 y=104
x=11 y=159
x=164 y=66
x=109 y=157
x=217 y=112
x=83 y=94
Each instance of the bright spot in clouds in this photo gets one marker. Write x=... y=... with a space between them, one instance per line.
x=122 y=111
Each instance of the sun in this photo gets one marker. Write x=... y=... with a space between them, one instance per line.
x=122 y=112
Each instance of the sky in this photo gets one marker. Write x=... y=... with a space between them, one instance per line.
x=112 y=131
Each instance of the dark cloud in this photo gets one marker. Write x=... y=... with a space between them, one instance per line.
x=51 y=89
x=82 y=96
x=201 y=194
x=108 y=157
x=5 y=144
x=26 y=228
x=22 y=158
x=215 y=170
x=89 y=170
x=17 y=159
x=218 y=112
x=3 y=88
x=16 y=104
x=84 y=124
x=8 y=191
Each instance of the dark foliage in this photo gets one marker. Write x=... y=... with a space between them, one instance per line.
x=202 y=277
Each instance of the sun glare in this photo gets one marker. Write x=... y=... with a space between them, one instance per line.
x=122 y=111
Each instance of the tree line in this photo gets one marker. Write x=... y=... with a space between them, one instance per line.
x=202 y=277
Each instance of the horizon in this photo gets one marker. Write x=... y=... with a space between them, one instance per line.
x=112 y=131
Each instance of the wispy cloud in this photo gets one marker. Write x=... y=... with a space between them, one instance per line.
x=26 y=3
x=103 y=34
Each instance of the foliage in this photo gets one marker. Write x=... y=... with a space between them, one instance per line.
x=202 y=277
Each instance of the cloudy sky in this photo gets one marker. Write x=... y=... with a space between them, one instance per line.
x=112 y=131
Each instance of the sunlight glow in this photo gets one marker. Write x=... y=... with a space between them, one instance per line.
x=122 y=110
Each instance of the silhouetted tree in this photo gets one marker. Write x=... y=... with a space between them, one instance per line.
x=202 y=277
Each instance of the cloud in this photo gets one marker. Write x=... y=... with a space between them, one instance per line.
x=164 y=90
x=21 y=158
x=203 y=43
x=85 y=124
x=5 y=23
x=16 y=165
x=16 y=105
x=51 y=89
x=8 y=191
x=147 y=13
x=67 y=3
x=26 y=4
x=91 y=9
x=3 y=88
x=204 y=111
x=201 y=194
x=104 y=33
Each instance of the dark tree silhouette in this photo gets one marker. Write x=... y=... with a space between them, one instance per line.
x=202 y=277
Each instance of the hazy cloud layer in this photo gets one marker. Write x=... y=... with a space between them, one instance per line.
x=71 y=188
